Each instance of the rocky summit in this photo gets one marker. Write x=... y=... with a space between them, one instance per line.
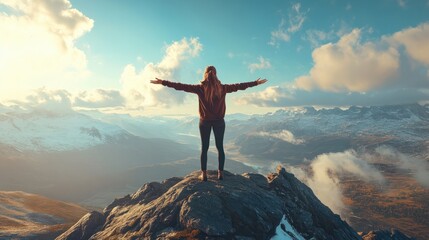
x=247 y=206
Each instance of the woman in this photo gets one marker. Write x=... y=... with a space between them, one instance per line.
x=211 y=95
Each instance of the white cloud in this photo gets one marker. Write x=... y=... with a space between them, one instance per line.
x=325 y=180
x=262 y=64
x=316 y=37
x=326 y=170
x=352 y=66
x=349 y=65
x=37 y=44
x=271 y=96
x=283 y=135
x=415 y=41
x=402 y=3
x=42 y=99
x=99 y=98
x=296 y=19
x=279 y=34
x=61 y=101
x=136 y=86
x=391 y=70
x=418 y=167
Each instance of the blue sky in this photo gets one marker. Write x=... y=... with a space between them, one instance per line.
x=101 y=53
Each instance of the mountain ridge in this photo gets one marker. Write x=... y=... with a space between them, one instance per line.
x=247 y=206
x=30 y=216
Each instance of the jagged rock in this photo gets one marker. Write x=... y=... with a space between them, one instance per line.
x=84 y=228
x=393 y=234
x=248 y=206
x=145 y=194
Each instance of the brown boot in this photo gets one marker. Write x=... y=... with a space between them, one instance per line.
x=203 y=176
x=220 y=174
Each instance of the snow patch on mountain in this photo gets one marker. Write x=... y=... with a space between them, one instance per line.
x=44 y=131
x=285 y=231
x=405 y=122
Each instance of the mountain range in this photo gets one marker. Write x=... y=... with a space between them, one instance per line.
x=362 y=154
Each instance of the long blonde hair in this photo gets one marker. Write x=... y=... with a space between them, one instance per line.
x=211 y=84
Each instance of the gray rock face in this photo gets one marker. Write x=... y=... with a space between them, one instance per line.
x=84 y=228
x=248 y=206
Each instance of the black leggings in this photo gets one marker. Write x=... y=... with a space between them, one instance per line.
x=219 y=130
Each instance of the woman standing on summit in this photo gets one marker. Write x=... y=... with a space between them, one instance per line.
x=211 y=95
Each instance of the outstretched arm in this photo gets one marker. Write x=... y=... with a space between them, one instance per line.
x=178 y=86
x=241 y=86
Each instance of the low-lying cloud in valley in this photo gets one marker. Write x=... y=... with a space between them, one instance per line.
x=323 y=174
x=283 y=135
x=419 y=168
x=325 y=171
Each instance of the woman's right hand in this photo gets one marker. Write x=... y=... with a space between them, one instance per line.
x=156 y=81
x=261 y=81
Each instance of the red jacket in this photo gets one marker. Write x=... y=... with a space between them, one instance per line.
x=208 y=111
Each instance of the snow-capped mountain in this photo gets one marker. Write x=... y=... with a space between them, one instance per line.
x=175 y=128
x=408 y=122
x=39 y=130
x=284 y=132
x=42 y=130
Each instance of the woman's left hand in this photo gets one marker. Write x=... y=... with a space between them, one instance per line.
x=156 y=81
x=261 y=81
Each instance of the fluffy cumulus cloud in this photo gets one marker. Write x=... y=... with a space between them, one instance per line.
x=350 y=66
x=391 y=70
x=37 y=44
x=57 y=102
x=271 y=96
x=60 y=101
x=415 y=41
x=262 y=64
x=326 y=171
x=42 y=99
x=287 y=27
x=99 y=98
x=283 y=135
x=136 y=86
